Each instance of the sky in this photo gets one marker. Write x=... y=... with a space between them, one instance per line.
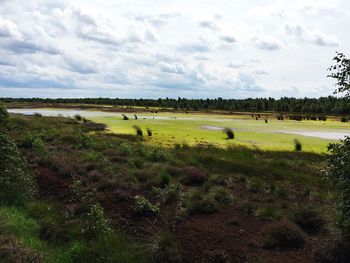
x=178 y=48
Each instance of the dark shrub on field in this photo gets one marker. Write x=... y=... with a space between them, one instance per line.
x=297 y=145
x=78 y=117
x=138 y=130
x=200 y=203
x=296 y=117
x=149 y=132
x=283 y=235
x=125 y=118
x=344 y=119
x=193 y=176
x=17 y=183
x=165 y=248
x=229 y=133
x=334 y=251
x=309 y=220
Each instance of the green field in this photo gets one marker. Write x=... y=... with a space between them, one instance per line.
x=169 y=129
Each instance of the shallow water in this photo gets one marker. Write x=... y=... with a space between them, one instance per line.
x=322 y=135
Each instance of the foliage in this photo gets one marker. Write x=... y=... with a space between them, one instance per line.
x=4 y=116
x=144 y=207
x=341 y=73
x=17 y=183
x=198 y=202
x=339 y=173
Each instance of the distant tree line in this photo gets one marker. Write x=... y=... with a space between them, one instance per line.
x=330 y=104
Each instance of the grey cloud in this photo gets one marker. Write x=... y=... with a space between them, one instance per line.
x=209 y=25
x=302 y=34
x=228 y=39
x=175 y=68
x=267 y=44
x=26 y=46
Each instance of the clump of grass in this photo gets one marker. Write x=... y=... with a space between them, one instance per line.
x=164 y=179
x=309 y=220
x=229 y=133
x=198 y=202
x=168 y=194
x=255 y=185
x=283 y=235
x=221 y=195
x=268 y=213
x=144 y=207
x=138 y=130
x=297 y=145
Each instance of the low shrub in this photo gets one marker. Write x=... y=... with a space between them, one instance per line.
x=309 y=220
x=268 y=213
x=138 y=130
x=283 y=235
x=78 y=117
x=164 y=178
x=297 y=145
x=144 y=207
x=221 y=195
x=168 y=194
x=17 y=183
x=229 y=133
x=200 y=203
x=344 y=119
x=4 y=116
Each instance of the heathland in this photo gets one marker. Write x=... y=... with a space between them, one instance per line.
x=167 y=187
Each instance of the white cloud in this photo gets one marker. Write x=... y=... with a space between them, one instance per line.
x=134 y=48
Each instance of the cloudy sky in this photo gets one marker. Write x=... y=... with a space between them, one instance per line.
x=162 y=48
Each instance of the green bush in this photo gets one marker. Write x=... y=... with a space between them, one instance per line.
x=297 y=145
x=144 y=207
x=339 y=173
x=17 y=183
x=4 y=116
x=221 y=195
x=283 y=235
x=164 y=178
